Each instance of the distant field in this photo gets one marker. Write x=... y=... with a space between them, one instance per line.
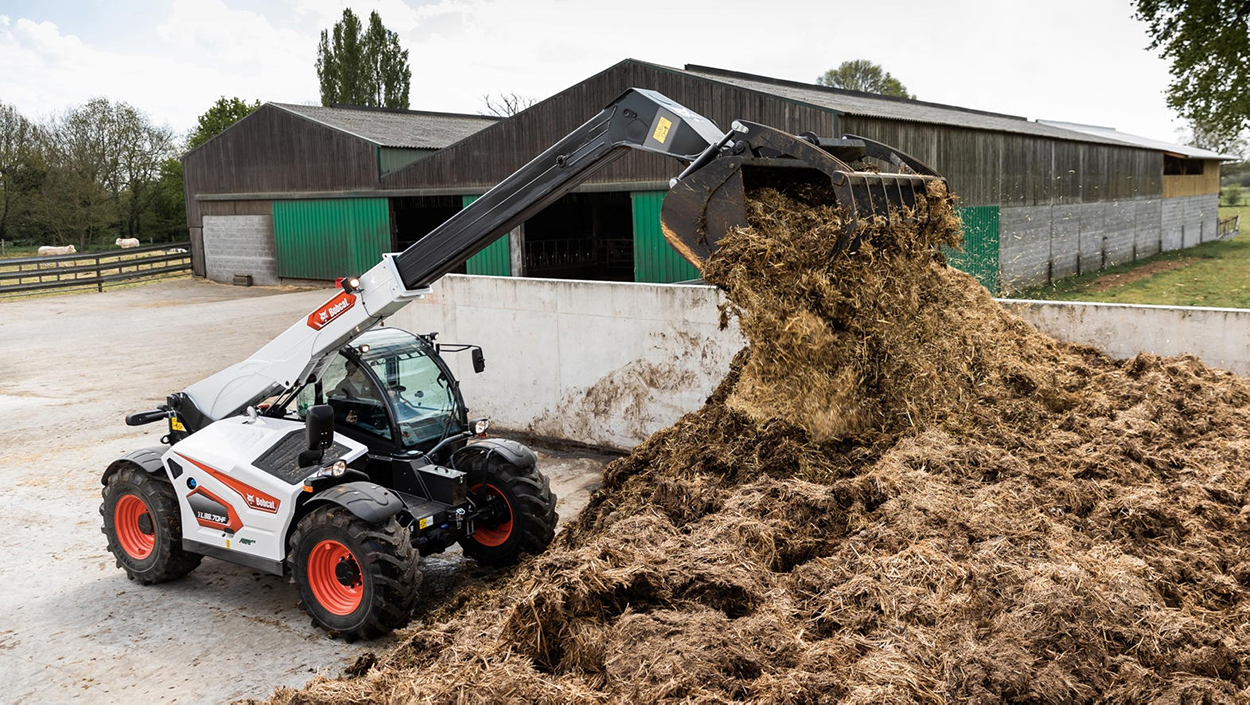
x=1212 y=274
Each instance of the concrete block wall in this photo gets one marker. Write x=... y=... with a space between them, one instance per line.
x=1119 y=236
x=1148 y=227
x=609 y=364
x=1190 y=220
x=1038 y=244
x=1024 y=246
x=1091 y=240
x=240 y=244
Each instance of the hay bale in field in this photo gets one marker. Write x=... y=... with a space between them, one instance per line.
x=901 y=493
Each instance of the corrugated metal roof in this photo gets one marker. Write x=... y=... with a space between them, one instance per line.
x=868 y=105
x=1138 y=141
x=417 y=129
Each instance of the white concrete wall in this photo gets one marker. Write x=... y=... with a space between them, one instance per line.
x=609 y=364
x=602 y=363
x=240 y=244
x=1220 y=336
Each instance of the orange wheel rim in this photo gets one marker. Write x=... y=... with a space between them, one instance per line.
x=135 y=529
x=494 y=535
x=335 y=578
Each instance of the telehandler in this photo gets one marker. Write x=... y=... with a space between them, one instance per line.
x=341 y=451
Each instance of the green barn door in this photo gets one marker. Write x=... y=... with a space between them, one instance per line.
x=495 y=260
x=655 y=261
x=330 y=238
x=980 y=252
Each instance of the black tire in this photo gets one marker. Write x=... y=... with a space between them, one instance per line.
x=375 y=569
x=145 y=533
x=531 y=508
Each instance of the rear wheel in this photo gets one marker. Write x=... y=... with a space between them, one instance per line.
x=357 y=579
x=521 y=510
x=144 y=528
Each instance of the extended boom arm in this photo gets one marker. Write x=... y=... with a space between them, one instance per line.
x=638 y=119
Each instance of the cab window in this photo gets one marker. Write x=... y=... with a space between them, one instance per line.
x=355 y=397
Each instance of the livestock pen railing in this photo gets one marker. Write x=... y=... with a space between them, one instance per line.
x=29 y=275
x=1229 y=227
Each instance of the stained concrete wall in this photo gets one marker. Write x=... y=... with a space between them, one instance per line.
x=240 y=244
x=602 y=363
x=609 y=364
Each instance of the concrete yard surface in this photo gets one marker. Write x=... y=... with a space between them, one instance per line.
x=71 y=624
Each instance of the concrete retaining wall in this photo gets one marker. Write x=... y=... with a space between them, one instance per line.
x=1220 y=336
x=611 y=363
x=595 y=362
x=240 y=244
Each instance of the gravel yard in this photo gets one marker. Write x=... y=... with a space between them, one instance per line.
x=70 y=623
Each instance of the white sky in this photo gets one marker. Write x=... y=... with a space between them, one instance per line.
x=1076 y=60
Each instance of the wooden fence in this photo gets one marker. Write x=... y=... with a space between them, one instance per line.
x=1229 y=227
x=92 y=269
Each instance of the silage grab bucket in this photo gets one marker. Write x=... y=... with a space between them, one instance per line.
x=709 y=198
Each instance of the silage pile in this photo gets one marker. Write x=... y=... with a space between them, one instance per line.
x=900 y=493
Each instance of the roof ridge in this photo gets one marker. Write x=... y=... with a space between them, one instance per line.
x=394 y=111
x=714 y=71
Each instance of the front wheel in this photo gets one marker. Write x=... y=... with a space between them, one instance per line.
x=519 y=508
x=144 y=527
x=356 y=579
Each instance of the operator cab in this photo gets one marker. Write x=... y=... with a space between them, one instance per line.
x=391 y=390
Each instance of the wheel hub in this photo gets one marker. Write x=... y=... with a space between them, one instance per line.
x=145 y=524
x=347 y=572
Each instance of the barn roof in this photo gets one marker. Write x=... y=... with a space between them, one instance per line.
x=416 y=129
x=877 y=106
x=1178 y=150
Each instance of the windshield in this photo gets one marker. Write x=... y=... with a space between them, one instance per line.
x=420 y=393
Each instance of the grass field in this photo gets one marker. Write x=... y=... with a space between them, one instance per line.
x=1211 y=274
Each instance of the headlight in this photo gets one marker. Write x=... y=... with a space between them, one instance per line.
x=479 y=426
x=335 y=469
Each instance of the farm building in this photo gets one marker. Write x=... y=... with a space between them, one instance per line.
x=328 y=189
x=291 y=191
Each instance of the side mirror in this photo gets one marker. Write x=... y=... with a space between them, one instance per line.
x=319 y=430
x=479 y=361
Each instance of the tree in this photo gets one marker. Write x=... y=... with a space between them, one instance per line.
x=21 y=169
x=1208 y=43
x=224 y=113
x=359 y=67
x=507 y=104
x=864 y=76
x=103 y=163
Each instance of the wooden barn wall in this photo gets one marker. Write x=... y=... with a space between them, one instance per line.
x=273 y=151
x=996 y=168
x=1207 y=182
x=488 y=157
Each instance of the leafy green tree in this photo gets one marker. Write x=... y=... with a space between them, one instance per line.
x=864 y=76
x=169 y=205
x=103 y=164
x=1208 y=43
x=21 y=168
x=224 y=113
x=359 y=67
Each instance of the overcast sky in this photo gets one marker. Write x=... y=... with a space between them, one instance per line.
x=1076 y=60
